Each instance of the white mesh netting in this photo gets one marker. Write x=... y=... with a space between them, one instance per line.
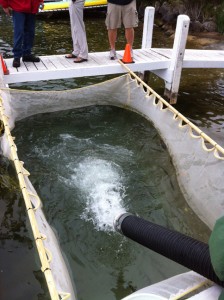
x=199 y=166
x=197 y=159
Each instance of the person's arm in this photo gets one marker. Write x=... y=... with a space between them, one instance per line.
x=7 y=10
x=5 y=5
x=216 y=250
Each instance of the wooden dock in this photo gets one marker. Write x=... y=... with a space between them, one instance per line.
x=165 y=63
x=154 y=59
x=58 y=67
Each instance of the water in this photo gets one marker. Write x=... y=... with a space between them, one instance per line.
x=100 y=181
x=87 y=169
x=89 y=172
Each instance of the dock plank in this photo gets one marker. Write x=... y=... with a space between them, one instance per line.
x=48 y=63
x=194 y=58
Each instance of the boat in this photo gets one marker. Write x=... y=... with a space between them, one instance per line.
x=54 y=6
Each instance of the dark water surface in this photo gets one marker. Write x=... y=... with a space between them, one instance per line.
x=90 y=163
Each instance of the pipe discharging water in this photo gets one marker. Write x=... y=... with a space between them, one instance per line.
x=180 y=248
x=101 y=182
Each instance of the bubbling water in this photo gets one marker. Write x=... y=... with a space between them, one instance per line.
x=101 y=183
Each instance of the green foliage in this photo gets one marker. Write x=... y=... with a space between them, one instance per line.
x=220 y=18
x=194 y=8
x=202 y=10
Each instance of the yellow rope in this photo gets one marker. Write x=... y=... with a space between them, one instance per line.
x=190 y=290
x=200 y=133
x=44 y=254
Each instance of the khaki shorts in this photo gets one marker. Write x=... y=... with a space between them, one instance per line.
x=117 y=14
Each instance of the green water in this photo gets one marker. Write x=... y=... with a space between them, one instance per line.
x=120 y=158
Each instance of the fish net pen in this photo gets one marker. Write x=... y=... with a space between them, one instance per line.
x=198 y=160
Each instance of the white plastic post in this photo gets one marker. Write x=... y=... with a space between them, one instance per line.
x=171 y=88
x=148 y=27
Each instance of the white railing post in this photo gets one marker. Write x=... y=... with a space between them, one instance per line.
x=182 y=27
x=148 y=27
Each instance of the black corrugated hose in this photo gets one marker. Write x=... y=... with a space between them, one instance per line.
x=182 y=249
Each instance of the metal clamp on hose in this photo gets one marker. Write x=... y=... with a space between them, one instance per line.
x=118 y=221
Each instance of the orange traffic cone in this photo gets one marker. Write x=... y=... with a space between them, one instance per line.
x=4 y=67
x=127 y=59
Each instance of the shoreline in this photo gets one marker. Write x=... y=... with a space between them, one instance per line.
x=206 y=38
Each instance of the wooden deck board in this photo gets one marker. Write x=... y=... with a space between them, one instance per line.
x=48 y=63
x=198 y=58
x=58 y=67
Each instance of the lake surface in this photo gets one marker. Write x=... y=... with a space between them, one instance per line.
x=89 y=164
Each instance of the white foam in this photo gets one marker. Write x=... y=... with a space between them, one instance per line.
x=101 y=183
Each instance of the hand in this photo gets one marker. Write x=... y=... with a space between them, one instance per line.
x=41 y=5
x=7 y=11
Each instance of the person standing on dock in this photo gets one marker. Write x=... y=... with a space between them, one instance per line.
x=121 y=11
x=23 y=15
x=80 y=47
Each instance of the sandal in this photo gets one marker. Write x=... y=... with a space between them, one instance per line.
x=80 y=60
x=71 y=55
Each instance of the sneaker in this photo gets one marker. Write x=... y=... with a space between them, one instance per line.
x=113 y=54
x=16 y=62
x=31 y=58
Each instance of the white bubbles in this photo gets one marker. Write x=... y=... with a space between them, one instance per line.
x=101 y=183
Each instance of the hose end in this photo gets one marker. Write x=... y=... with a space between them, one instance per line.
x=118 y=221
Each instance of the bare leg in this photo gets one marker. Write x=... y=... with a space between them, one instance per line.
x=129 y=34
x=112 y=36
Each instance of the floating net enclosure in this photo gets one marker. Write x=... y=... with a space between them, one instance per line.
x=198 y=160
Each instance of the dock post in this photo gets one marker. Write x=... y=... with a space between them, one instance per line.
x=148 y=27
x=171 y=88
x=147 y=34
